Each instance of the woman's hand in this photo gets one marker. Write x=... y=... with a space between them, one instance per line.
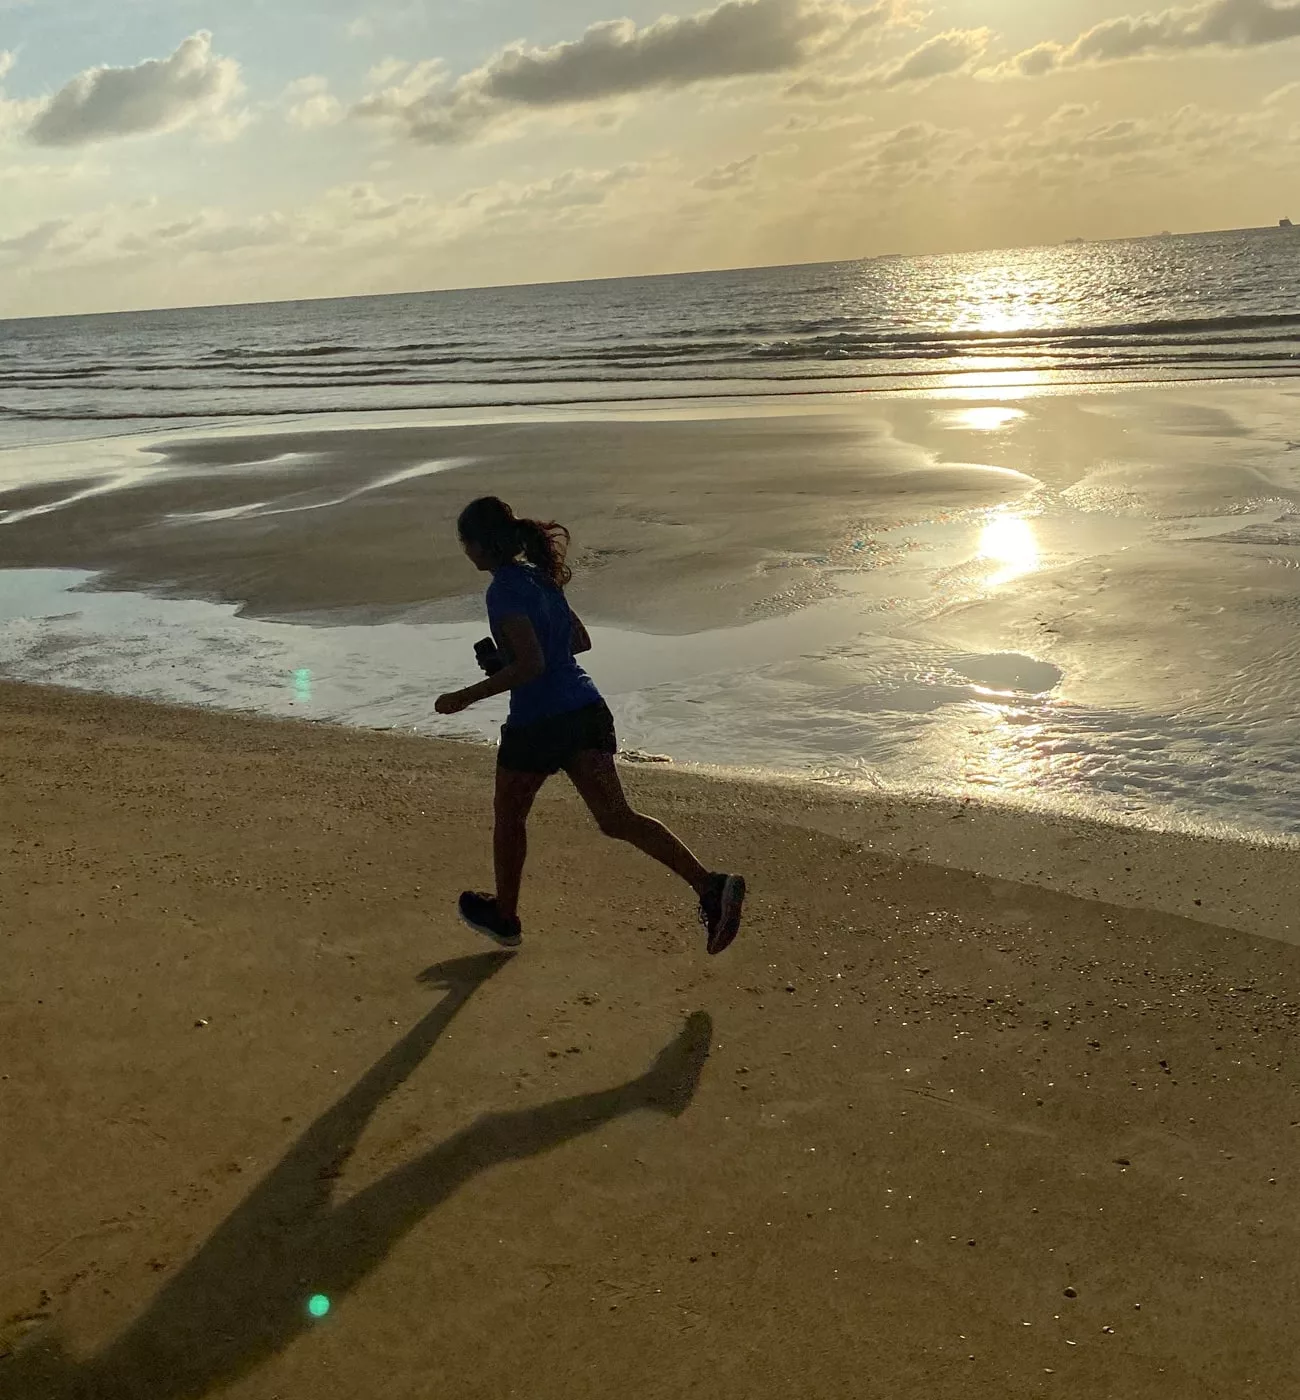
x=452 y=703
x=526 y=664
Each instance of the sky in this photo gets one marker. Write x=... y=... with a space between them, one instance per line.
x=191 y=152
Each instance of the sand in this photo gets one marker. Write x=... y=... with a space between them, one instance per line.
x=922 y=1132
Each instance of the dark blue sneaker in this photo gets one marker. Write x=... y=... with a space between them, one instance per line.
x=480 y=912
x=720 y=909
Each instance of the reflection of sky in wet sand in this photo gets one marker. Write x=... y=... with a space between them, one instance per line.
x=807 y=694
x=1091 y=644
x=315 y=501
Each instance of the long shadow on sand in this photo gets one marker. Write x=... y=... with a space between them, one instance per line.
x=242 y=1298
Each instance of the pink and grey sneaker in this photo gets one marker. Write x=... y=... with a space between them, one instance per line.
x=720 y=908
x=480 y=912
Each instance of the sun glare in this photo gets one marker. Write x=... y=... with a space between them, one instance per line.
x=1007 y=300
x=1009 y=542
x=987 y=418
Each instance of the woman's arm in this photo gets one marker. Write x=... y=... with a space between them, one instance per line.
x=528 y=664
x=581 y=638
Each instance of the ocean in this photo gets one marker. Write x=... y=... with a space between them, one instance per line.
x=1222 y=305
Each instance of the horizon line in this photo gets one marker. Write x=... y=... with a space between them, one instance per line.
x=629 y=277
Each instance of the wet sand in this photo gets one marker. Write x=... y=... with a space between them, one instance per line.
x=678 y=522
x=952 y=1135
x=681 y=522
x=1082 y=601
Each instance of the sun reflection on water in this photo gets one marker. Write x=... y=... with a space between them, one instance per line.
x=1009 y=542
x=986 y=418
x=1007 y=299
x=1014 y=756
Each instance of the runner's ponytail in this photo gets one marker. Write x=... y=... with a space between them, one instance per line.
x=490 y=524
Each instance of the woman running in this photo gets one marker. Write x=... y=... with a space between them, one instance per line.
x=557 y=721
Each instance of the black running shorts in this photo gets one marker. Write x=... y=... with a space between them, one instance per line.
x=552 y=744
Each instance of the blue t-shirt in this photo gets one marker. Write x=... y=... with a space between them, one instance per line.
x=519 y=590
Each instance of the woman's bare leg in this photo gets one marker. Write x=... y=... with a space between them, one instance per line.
x=596 y=778
x=515 y=794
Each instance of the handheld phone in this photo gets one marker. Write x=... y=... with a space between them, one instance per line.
x=489 y=658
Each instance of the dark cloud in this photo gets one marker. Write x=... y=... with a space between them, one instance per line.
x=616 y=58
x=158 y=95
x=954 y=51
x=39 y=239
x=1221 y=24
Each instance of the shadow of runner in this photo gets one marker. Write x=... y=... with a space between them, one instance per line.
x=242 y=1298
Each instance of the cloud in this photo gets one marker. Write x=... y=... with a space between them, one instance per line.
x=311 y=104
x=954 y=51
x=386 y=70
x=15 y=113
x=806 y=123
x=313 y=112
x=364 y=202
x=1071 y=112
x=157 y=95
x=1071 y=148
x=1216 y=24
x=152 y=240
x=727 y=177
x=886 y=163
x=208 y=232
x=349 y=221
x=37 y=240
x=895 y=157
x=573 y=189
x=62 y=172
x=616 y=59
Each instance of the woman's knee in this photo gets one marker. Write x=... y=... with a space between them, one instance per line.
x=618 y=823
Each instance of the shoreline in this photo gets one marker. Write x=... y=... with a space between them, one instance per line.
x=960 y=1134
x=983 y=384
x=1133 y=865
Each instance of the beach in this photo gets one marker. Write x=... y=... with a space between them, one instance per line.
x=961 y=621
x=953 y=1135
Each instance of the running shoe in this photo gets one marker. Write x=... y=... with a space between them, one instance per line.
x=720 y=907
x=480 y=912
